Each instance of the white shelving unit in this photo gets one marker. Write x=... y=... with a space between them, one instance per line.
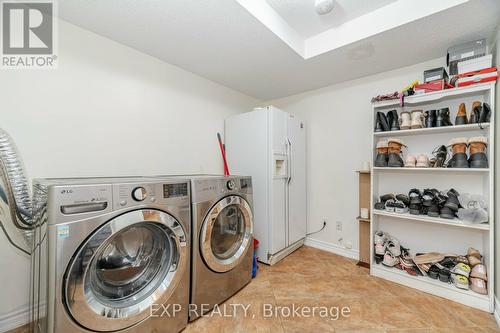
x=422 y=233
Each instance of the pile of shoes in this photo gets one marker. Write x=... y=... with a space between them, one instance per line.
x=393 y=203
x=463 y=272
x=430 y=202
x=477 y=152
x=481 y=113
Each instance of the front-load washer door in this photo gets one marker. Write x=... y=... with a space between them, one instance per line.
x=128 y=265
x=226 y=233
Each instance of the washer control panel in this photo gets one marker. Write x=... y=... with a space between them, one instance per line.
x=231 y=185
x=139 y=193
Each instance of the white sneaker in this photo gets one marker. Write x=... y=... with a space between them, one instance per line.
x=394 y=247
x=390 y=259
x=423 y=161
x=380 y=249
x=380 y=237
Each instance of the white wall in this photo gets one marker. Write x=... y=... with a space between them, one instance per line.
x=107 y=110
x=338 y=119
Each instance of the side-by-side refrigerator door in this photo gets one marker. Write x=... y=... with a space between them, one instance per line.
x=297 y=199
x=279 y=177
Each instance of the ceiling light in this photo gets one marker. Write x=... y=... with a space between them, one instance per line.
x=323 y=6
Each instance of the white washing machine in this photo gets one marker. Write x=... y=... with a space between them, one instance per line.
x=222 y=242
x=115 y=257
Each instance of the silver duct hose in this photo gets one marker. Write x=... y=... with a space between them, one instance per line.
x=16 y=217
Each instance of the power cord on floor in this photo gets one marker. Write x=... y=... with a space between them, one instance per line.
x=315 y=232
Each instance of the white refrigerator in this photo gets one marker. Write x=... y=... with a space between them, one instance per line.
x=270 y=145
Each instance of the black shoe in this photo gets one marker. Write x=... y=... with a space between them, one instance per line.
x=440 y=154
x=452 y=201
x=458 y=160
x=385 y=197
x=395 y=161
x=415 y=196
x=428 y=198
x=485 y=113
x=443 y=118
x=440 y=197
x=393 y=120
x=381 y=124
x=478 y=160
x=380 y=205
x=403 y=198
x=444 y=275
x=433 y=272
x=390 y=205
x=381 y=160
x=433 y=210
x=430 y=118
x=448 y=262
x=415 y=209
x=400 y=207
x=447 y=213
x=475 y=115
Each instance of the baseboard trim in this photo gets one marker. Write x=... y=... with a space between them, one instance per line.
x=333 y=248
x=14 y=319
x=497 y=311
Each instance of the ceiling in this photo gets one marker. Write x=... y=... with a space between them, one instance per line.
x=249 y=46
x=300 y=14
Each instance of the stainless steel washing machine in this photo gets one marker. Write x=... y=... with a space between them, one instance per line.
x=222 y=249
x=117 y=255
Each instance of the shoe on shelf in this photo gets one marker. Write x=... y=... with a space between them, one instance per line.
x=405 y=120
x=448 y=263
x=400 y=207
x=410 y=161
x=462 y=259
x=473 y=261
x=433 y=210
x=460 y=281
x=404 y=198
x=428 y=197
x=440 y=154
x=393 y=120
x=461 y=269
x=380 y=237
x=430 y=118
x=446 y=213
x=416 y=119
x=423 y=161
x=452 y=201
x=415 y=209
x=395 y=146
x=415 y=196
x=380 y=205
x=390 y=259
x=459 y=153
x=394 y=247
x=444 y=275
x=382 y=154
x=433 y=272
x=477 y=150
x=390 y=205
x=478 y=286
x=386 y=197
x=475 y=112
x=443 y=118
x=479 y=271
x=381 y=123
x=485 y=114
x=473 y=252
x=461 y=118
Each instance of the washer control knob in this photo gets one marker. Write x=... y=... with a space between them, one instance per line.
x=139 y=193
x=231 y=184
x=123 y=202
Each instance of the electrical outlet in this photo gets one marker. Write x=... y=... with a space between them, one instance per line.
x=339 y=226
x=348 y=245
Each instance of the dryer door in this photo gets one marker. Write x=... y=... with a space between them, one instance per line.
x=226 y=233
x=130 y=263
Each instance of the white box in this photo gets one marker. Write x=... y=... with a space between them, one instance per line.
x=475 y=64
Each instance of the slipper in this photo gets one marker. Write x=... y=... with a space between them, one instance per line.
x=478 y=286
x=473 y=252
x=473 y=261
x=426 y=258
x=479 y=271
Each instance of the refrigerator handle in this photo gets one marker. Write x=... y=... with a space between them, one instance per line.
x=289 y=162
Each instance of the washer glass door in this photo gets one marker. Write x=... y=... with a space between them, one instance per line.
x=132 y=262
x=226 y=233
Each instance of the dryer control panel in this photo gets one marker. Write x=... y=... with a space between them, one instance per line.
x=130 y=195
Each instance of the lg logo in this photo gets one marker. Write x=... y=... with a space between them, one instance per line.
x=27 y=27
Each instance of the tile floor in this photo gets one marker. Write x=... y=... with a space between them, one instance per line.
x=310 y=277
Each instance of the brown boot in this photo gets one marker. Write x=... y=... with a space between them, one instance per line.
x=395 y=146
x=477 y=150
x=382 y=154
x=475 y=111
x=461 y=118
x=459 y=150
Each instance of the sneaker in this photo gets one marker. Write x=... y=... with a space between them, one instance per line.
x=390 y=259
x=461 y=269
x=403 y=198
x=478 y=286
x=410 y=161
x=452 y=200
x=433 y=211
x=394 y=247
x=415 y=209
x=446 y=213
x=380 y=237
x=400 y=207
x=460 y=281
x=415 y=196
x=423 y=161
x=428 y=197
x=389 y=205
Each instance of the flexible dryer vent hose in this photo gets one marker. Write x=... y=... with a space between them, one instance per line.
x=15 y=199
